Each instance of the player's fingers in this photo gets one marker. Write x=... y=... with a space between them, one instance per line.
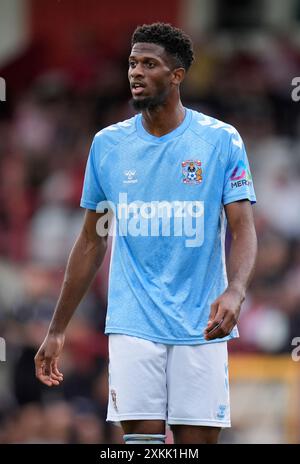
x=49 y=381
x=222 y=329
x=216 y=315
x=213 y=312
x=215 y=332
x=46 y=379
x=213 y=326
x=56 y=377
x=49 y=378
x=228 y=324
x=212 y=332
x=47 y=366
x=40 y=365
x=53 y=381
x=39 y=374
x=38 y=360
x=56 y=374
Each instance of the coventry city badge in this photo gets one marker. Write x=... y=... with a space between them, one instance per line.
x=191 y=172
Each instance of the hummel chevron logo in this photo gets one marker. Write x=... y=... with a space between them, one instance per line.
x=115 y=127
x=207 y=121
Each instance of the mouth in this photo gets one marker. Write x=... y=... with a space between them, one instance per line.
x=137 y=88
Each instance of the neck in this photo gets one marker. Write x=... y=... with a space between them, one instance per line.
x=164 y=118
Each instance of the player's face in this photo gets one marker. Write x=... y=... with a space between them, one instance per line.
x=149 y=75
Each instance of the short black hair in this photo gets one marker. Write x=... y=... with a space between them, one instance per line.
x=176 y=42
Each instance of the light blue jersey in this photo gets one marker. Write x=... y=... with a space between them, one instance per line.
x=168 y=195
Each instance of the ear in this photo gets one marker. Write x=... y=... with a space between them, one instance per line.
x=178 y=76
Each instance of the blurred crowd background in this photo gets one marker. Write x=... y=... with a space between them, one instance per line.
x=66 y=74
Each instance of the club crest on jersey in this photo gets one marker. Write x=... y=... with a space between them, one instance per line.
x=191 y=172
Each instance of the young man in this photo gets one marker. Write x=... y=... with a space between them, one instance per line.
x=172 y=176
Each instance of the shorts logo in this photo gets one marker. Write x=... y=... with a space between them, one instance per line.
x=114 y=399
x=191 y=172
x=221 y=411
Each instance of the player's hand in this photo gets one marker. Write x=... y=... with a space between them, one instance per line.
x=224 y=314
x=46 y=359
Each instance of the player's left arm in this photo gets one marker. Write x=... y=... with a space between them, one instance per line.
x=225 y=309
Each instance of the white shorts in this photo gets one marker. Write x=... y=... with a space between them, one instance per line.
x=181 y=384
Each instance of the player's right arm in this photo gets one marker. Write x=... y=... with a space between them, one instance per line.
x=84 y=261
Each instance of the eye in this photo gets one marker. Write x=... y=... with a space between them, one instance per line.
x=150 y=64
x=132 y=64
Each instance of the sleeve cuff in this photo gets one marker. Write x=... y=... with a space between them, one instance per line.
x=234 y=198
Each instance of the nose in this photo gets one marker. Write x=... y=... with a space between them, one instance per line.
x=137 y=71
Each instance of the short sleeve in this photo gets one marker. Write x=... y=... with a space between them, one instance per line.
x=238 y=182
x=92 y=192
